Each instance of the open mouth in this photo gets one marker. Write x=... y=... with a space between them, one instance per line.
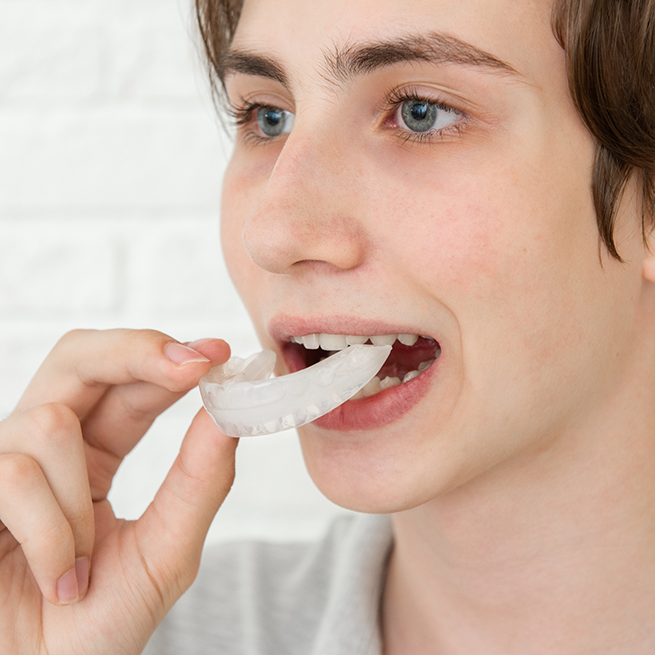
x=411 y=355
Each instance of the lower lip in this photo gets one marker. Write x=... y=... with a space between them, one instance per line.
x=375 y=411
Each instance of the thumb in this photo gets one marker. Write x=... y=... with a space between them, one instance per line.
x=173 y=529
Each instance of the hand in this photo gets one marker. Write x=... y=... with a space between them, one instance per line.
x=88 y=405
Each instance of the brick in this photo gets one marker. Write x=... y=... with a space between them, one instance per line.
x=67 y=50
x=46 y=271
x=179 y=268
x=48 y=50
x=178 y=283
x=110 y=158
x=153 y=56
x=21 y=353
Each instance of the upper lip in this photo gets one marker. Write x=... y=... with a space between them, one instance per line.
x=282 y=328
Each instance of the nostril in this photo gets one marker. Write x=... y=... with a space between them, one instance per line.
x=304 y=221
x=285 y=247
x=270 y=244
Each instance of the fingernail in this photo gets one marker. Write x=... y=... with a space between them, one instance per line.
x=82 y=574
x=179 y=354
x=67 y=592
x=199 y=342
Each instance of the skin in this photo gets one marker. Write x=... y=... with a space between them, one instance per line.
x=88 y=405
x=522 y=484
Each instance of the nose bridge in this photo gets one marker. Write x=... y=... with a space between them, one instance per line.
x=307 y=212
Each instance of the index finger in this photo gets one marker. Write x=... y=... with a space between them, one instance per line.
x=84 y=364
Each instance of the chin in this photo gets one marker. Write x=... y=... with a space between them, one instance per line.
x=368 y=472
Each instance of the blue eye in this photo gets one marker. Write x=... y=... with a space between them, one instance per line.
x=273 y=121
x=423 y=116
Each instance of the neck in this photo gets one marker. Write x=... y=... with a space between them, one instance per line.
x=551 y=552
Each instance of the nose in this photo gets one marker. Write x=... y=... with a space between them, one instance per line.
x=308 y=216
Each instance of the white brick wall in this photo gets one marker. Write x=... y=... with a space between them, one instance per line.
x=110 y=166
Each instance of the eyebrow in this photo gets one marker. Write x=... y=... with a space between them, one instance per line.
x=351 y=60
x=248 y=63
x=346 y=62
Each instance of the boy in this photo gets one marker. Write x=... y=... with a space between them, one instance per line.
x=447 y=178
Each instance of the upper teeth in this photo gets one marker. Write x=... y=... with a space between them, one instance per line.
x=341 y=341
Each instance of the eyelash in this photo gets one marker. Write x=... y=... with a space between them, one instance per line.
x=396 y=99
x=242 y=116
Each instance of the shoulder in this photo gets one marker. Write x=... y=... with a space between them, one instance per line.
x=260 y=597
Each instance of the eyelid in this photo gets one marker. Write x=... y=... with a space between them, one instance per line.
x=260 y=99
x=244 y=113
x=397 y=96
x=435 y=94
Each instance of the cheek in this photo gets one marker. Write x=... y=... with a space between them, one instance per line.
x=512 y=253
x=239 y=200
x=491 y=223
x=453 y=239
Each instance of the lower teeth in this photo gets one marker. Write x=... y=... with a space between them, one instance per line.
x=376 y=385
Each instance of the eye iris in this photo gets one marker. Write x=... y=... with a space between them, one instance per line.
x=271 y=120
x=419 y=116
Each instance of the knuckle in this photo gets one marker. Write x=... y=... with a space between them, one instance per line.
x=17 y=469
x=54 y=422
x=137 y=413
x=71 y=338
x=144 y=336
x=140 y=345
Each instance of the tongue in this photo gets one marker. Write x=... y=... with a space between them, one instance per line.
x=404 y=359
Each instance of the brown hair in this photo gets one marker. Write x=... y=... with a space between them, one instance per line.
x=610 y=60
x=217 y=20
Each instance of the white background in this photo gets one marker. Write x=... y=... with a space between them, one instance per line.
x=111 y=157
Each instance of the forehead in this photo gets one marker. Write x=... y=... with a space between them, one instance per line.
x=309 y=35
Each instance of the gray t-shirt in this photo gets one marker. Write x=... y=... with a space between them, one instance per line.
x=256 y=598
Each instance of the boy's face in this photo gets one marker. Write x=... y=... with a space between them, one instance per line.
x=435 y=181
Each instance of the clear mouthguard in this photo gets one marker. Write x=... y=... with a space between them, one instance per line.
x=245 y=401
